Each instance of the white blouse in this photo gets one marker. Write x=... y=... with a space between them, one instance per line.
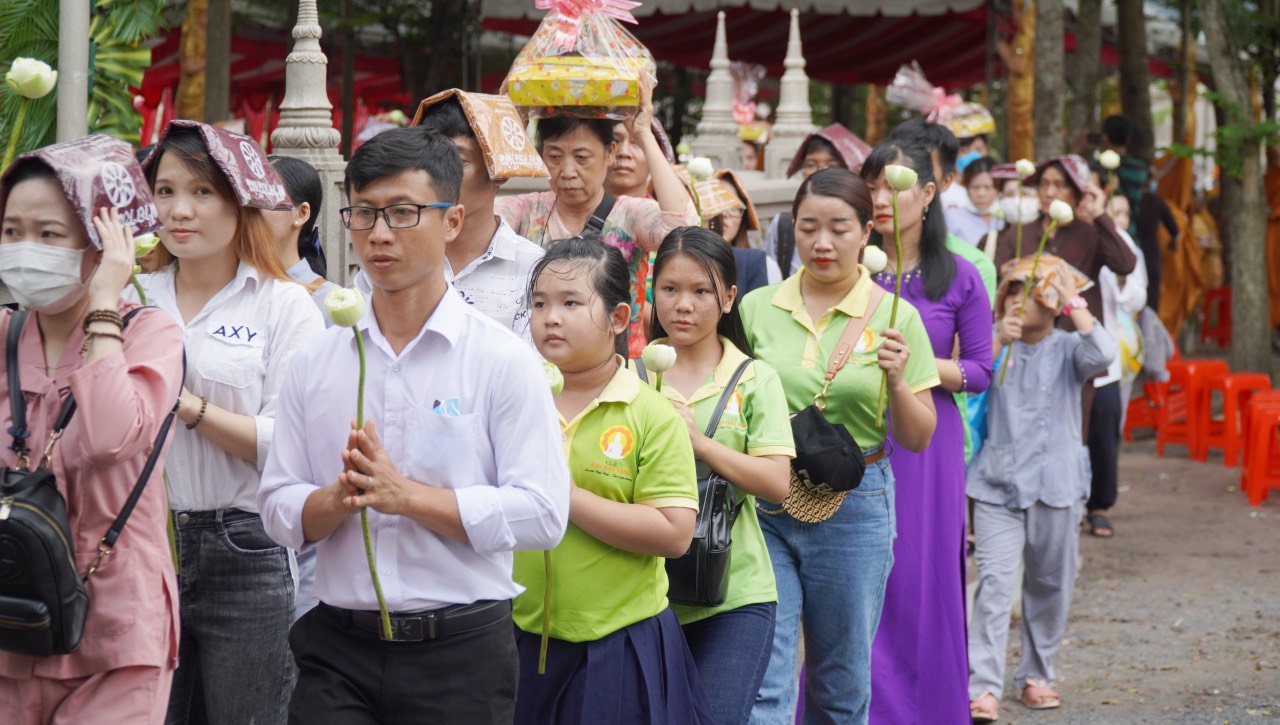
x=237 y=349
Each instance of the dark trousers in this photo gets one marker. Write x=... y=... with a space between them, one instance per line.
x=1104 y=447
x=348 y=676
x=731 y=650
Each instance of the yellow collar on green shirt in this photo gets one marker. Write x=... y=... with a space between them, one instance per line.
x=788 y=297
x=730 y=359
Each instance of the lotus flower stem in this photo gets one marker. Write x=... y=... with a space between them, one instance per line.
x=882 y=401
x=15 y=132
x=364 y=512
x=546 y=614
x=1026 y=293
x=1017 y=249
x=142 y=296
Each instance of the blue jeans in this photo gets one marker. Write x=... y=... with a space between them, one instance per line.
x=236 y=598
x=834 y=573
x=731 y=650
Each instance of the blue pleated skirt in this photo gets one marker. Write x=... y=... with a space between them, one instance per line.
x=639 y=675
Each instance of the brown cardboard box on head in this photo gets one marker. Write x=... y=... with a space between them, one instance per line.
x=508 y=153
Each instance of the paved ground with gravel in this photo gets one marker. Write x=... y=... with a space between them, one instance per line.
x=1177 y=618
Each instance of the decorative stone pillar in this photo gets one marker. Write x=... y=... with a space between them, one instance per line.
x=717 y=137
x=795 y=118
x=306 y=132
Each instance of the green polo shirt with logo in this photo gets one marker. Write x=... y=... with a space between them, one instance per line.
x=628 y=445
x=755 y=422
x=782 y=333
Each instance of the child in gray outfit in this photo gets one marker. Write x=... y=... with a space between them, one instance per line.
x=1031 y=479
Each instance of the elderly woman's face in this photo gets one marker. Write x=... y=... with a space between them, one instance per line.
x=578 y=163
x=1054 y=186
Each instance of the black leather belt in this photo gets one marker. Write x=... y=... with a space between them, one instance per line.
x=430 y=625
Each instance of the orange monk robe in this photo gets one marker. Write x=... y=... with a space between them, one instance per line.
x=1183 y=279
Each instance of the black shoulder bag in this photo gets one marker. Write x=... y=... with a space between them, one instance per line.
x=701 y=577
x=43 y=599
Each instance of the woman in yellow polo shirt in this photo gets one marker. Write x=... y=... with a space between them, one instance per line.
x=695 y=312
x=832 y=552
x=596 y=637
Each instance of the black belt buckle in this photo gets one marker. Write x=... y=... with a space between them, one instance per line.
x=411 y=629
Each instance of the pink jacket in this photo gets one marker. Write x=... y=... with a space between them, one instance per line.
x=121 y=401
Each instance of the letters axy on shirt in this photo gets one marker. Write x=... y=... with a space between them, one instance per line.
x=237 y=347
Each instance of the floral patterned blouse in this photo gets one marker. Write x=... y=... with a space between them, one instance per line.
x=636 y=226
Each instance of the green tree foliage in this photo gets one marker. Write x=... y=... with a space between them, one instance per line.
x=117 y=60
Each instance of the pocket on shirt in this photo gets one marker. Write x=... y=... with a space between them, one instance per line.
x=441 y=448
x=230 y=363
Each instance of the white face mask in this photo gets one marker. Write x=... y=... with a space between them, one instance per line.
x=1028 y=211
x=42 y=277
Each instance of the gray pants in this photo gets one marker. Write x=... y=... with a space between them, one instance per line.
x=1046 y=541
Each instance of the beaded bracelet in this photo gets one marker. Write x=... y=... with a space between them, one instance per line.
x=204 y=407
x=964 y=378
x=110 y=316
x=89 y=337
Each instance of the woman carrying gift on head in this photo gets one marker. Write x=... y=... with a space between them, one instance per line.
x=66 y=249
x=242 y=318
x=578 y=146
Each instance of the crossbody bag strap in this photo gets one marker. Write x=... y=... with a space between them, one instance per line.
x=595 y=224
x=723 y=402
x=108 y=542
x=641 y=372
x=848 y=341
x=17 y=401
x=714 y=423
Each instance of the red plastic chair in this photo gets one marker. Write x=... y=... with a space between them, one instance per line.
x=1144 y=410
x=1181 y=411
x=1226 y=433
x=1261 y=470
x=1216 y=317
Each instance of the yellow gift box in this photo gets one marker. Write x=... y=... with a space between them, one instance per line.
x=576 y=81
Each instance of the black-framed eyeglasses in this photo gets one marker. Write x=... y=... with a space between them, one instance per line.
x=397 y=216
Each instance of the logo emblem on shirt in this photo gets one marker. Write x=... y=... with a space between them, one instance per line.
x=734 y=406
x=866 y=342
x=617 y=442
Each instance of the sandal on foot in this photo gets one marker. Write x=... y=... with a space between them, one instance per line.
x=1038 y=695
x=985 y=709
x=1100 y=526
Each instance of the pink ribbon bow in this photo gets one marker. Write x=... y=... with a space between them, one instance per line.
x=571 y=13
x=942 y=104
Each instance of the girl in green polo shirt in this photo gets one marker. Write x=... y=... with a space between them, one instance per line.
x=695 y=312
x=596 y=638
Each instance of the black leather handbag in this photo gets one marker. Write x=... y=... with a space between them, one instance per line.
x=701 y=577
x=43 y=599
x=828 y=459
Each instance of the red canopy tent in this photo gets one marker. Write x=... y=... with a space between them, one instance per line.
x=843 y=42
x=257 y=78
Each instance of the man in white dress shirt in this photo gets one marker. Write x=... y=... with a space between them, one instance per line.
x=459 y=464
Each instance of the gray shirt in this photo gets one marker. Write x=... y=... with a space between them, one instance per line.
x=1033 y=450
